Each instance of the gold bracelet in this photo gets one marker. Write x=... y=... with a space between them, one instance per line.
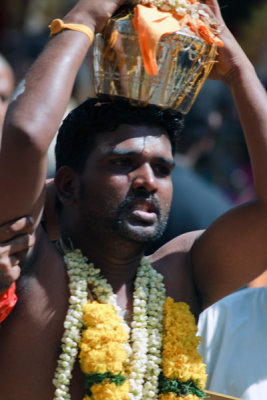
x=57 y=25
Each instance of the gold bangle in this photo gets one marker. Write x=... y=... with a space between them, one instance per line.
x=57 y=25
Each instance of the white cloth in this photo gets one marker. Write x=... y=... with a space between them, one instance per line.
x=234 y=346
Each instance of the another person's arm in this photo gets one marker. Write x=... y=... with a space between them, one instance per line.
x=16 y=237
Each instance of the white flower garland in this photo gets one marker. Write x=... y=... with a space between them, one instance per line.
x=155 y=320
x=73 y=326
x=139 y=334
x=146 y=326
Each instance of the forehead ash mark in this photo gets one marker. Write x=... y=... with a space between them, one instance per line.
x=150 y=146
x=138 y=138
x=141 y=144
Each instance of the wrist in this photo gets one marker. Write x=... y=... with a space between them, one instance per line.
x=58 y=25
x=80 y=17
x=239 y=75
x=236 y=64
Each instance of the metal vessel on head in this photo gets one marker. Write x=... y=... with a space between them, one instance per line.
x=184 y=62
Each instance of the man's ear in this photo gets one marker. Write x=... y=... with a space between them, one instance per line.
x=65 y=182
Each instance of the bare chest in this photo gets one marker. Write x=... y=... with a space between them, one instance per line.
x=30 y=341
x=30 y=338
x=30 y=346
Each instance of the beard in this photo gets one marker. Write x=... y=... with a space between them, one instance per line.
x=140 y=232
x=114 y=221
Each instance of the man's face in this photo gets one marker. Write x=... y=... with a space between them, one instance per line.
x=126 y=188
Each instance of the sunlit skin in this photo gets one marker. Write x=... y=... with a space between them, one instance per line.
x=123 y=195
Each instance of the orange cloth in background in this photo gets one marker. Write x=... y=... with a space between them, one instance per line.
x=150 y=24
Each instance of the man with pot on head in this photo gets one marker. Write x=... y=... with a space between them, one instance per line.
x=113 y=185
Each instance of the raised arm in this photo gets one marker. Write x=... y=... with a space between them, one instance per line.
x=233 y=250
x=35 y=113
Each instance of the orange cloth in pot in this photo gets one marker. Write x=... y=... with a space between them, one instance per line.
x=150 y=24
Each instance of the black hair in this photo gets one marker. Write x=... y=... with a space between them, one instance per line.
x=76 y=136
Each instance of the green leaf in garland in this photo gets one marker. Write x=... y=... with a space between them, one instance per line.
x=91 y=379
x=180 y=388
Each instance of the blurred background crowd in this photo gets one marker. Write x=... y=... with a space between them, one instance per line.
x=212 y=146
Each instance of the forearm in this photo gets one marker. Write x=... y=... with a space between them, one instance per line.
x=251 y=102
x=36 y=111
x=42 y=99
x=44 y=95
x=32 y=121
x=235 y=69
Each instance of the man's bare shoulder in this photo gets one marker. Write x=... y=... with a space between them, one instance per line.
x=179 y=246
x=173 y=261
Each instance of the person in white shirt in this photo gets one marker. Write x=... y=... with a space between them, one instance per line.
x=234 y=345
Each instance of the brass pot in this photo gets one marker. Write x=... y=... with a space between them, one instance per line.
x=184 y=62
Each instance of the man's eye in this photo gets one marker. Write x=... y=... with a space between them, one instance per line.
x=161 y=170
x=121 y=162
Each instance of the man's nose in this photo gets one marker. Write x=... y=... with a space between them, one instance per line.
x=144 y=178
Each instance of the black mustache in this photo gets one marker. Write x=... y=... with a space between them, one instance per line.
x=130 y=200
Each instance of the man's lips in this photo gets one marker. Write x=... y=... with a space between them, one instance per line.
x=144 y=216
x=144 y=210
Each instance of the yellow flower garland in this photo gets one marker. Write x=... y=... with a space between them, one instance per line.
x=180 y=357
x=172 y=396
x=102 y=351
x=103 y=340
x=101 y=347
x=109 y=391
